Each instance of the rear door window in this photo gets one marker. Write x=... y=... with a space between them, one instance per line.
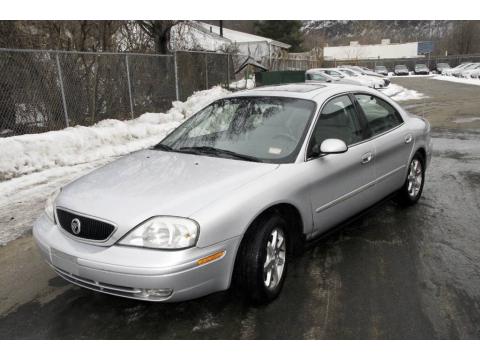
x=380 y=115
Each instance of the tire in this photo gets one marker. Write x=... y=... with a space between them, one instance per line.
x=411 y=190
x=262 y=286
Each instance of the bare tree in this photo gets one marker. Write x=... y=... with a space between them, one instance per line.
x=464 y=38
x=159 y=31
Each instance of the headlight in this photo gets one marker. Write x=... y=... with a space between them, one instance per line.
x=49 y=210
x=163 y=232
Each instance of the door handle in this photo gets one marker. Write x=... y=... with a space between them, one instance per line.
x=408 y=138
x=366 y=158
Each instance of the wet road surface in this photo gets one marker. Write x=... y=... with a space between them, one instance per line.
x=397 y=273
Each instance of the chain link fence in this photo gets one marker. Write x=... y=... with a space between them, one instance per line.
x=50 y=90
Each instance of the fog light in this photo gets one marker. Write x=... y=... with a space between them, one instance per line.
x=156 y=294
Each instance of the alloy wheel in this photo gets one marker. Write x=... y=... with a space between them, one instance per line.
x=274 y=265
x=415 y=178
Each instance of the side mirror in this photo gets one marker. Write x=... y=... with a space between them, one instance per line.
x=332 y=146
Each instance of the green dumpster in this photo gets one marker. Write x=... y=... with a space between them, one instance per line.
x=278 y=77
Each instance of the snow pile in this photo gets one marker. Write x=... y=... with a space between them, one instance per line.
x=458 y=80
x=399 y=93
x=20 y=155
x=242 y=84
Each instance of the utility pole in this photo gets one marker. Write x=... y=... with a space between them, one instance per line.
x=221 y=27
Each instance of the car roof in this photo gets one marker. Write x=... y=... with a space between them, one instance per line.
x=309 y=91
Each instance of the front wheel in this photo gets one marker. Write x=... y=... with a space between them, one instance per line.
x=262 y=259
x=413 y=186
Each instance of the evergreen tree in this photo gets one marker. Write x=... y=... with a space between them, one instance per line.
x=286 y=31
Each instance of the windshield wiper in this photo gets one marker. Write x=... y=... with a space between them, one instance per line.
x=163 y=147
x=216 y=152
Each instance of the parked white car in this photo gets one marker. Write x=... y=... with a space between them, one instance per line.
x=475 y=74
x=379 y=80
x=457 y=72
x=449 y=72
x=370 y=81
x=332 y=76
x=467 y=72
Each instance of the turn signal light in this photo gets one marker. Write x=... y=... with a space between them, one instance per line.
x=210 y=258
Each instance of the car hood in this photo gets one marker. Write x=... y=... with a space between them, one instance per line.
x=150 y=182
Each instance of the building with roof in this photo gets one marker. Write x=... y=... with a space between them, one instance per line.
x=384 y=50
x=196 y=35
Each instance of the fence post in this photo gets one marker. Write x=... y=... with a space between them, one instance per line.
x=228 y=70
x=129 y=85
x=177 y=92
x=62 y=90
x=206 y=71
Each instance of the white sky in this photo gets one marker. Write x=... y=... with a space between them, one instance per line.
x=244 y=9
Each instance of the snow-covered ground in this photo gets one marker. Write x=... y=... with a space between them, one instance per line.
x=33 y=166
x=457 y=80
x=242 y=84
x=399 y=93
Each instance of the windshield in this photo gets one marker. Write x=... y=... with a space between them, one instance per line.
x=380 y=68
x=401 y=67
x=267 y=129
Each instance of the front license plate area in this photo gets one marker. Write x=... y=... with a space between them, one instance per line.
x=65 y=262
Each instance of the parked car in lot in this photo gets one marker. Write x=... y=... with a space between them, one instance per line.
x=316 y=75
x=475 y=74
x=449 y=72
x=459 y=71
x=467 y=71
x=382 y=70
x=401 y=70
x=363 y=71
x=329 y=76
x=440 y=67
x=421 y=69
x=376 y=81
x=336 y=76
x=233 y=192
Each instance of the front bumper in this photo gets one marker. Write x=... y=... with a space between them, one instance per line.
x=137 y=273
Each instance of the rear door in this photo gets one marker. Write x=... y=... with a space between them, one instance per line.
x=393 y=142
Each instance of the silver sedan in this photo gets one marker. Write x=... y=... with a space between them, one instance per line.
x=233 y=192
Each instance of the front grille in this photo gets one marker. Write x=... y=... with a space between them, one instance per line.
x=90 y=229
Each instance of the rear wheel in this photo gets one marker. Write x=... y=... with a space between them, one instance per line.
x=413 y=187
x=262 y=259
